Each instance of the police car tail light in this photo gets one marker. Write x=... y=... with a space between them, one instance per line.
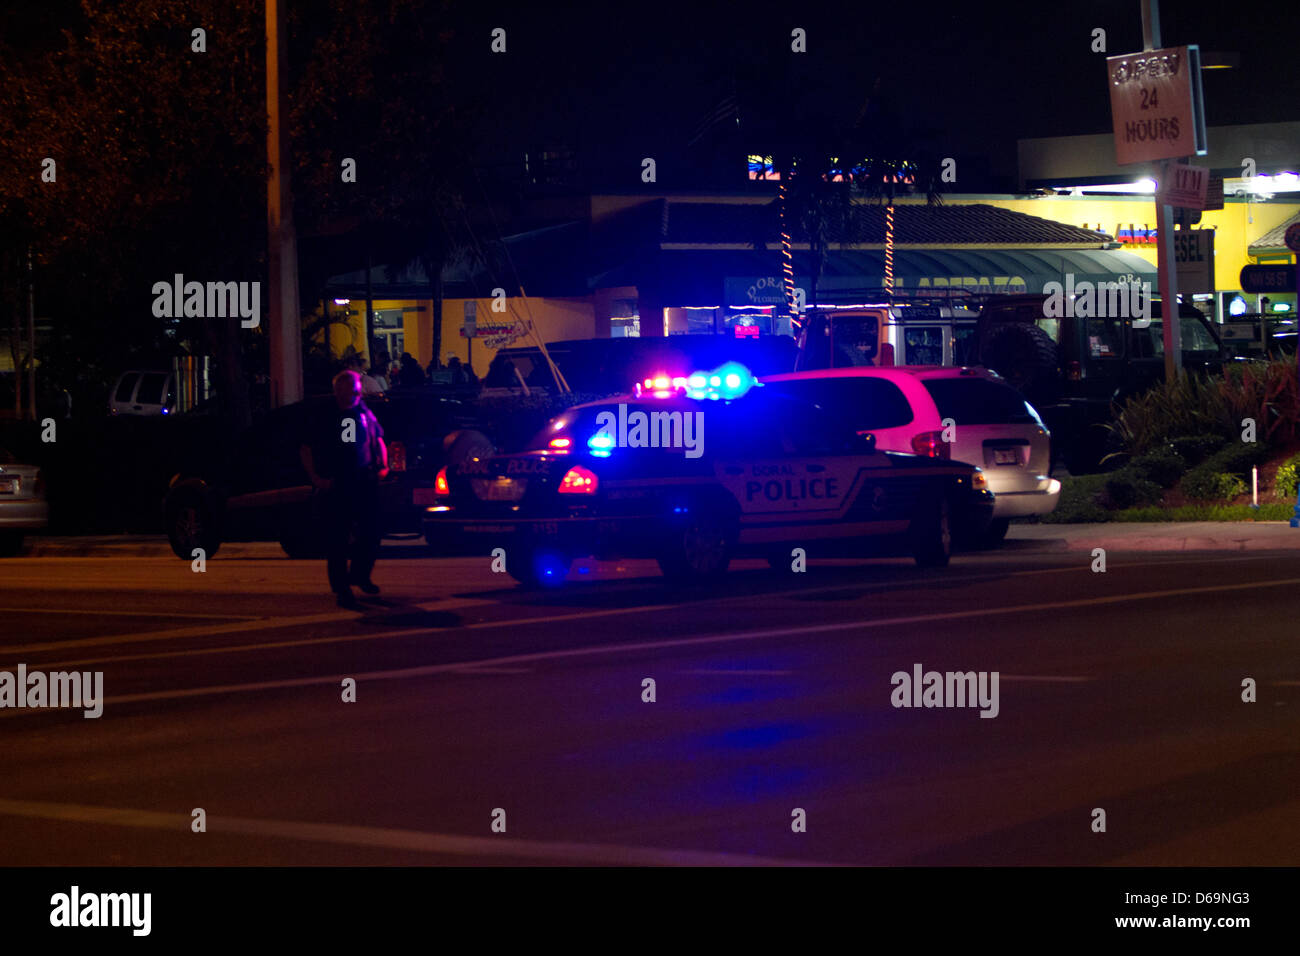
x=579 y=481
x=931 y=445
x=440 y=486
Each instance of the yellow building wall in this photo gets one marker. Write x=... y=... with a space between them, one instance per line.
x=554 y=319
x=1236 y=226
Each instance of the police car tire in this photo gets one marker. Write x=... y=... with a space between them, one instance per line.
x=932 y=536
x=192 y=523
x=682 y=561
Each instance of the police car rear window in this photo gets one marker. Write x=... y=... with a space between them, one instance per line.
x=866 y=401
x=977 y=401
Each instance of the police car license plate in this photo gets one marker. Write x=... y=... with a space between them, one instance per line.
x=8 y=486
x=500 y=489
x=1006 y=456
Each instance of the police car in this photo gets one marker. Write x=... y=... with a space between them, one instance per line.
x=695 y=470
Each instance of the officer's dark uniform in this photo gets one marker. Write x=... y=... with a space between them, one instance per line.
x=350 y=506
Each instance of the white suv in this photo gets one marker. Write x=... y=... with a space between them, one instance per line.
x=905 y=408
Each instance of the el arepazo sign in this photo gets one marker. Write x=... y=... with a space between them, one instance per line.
x=1156 y=104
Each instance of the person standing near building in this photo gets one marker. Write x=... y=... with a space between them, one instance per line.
x=345 y=457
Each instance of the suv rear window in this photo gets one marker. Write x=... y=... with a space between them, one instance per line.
x=977 y=401
x=866 y=401
x=151 y=389
x=125 y=387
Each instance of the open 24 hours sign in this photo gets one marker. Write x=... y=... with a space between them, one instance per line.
x=1156 y=104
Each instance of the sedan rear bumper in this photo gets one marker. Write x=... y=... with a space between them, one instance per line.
x=24 y=514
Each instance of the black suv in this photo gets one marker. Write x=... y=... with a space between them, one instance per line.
x=1072 y=368
x=256 y=489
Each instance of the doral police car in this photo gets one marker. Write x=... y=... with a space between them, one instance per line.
x=695 y=470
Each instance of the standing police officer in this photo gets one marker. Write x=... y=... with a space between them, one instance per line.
x=345 y=456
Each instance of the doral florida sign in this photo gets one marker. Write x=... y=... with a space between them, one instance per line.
x=1156 y=104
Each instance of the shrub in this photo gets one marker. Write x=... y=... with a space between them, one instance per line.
x=1127 y=488
x=1194 y=449
x=1204 y=485
x=1288 y=476
x=1162 y=465
x=1080 y=501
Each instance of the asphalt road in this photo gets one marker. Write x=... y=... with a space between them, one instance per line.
x=1119 y=691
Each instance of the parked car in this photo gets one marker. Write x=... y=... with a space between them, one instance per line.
x=905 y=407
x=23 y=506
x=143 y=393
x=1074 y=369
x=257 y=489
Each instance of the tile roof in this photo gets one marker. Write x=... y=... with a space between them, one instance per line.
x=1273 y=239
x=917 y=225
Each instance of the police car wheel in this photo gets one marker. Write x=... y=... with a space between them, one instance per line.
x=932 y=536
x=537 y=568
x=190 y=525
x=701 y=550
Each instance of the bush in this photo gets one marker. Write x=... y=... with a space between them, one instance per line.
x=1288 y=476
x=1126 y=488
x=1223 y=474
x=1080 y=501
x=1212 y=485
x=1194 y=449
x=1163 y=465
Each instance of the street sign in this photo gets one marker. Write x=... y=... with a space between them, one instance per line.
x=1292 y=239
x=1156 y=105
x=1194 y=254
x=1260 y=279
x=1183 y=186
x=471 y=318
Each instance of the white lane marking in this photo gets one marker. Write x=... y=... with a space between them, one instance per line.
x=254 y=624
x=417 y=841
x=275 y=623
x=426 y=670
x=1045 y=678
x=100 y=612
x=352 y=638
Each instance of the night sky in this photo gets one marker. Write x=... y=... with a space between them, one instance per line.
x=969 y=78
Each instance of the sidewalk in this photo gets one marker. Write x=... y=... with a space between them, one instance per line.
x=1156 y=536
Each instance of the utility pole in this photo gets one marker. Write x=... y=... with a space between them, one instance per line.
x=31 y=338
x=1166 y=264
x=284 y=320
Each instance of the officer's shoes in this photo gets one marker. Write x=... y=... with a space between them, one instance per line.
x=347 y=599
x=367 y=587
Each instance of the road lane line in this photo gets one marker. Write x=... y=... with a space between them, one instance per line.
x=430 y=669
x=273 y=623
x=417 y=841
x=618 y=648
x=110 y=613
x=254 y=624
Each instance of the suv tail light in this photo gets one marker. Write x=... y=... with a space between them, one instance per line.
x=579 y=481
x=931 y=445
x=440 y=486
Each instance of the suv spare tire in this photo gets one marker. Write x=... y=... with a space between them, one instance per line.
x=1027 y=358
